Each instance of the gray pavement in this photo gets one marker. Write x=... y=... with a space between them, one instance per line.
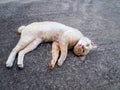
x=97 y=19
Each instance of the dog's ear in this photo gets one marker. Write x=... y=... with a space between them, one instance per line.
x=78 y=50
x=94 y=46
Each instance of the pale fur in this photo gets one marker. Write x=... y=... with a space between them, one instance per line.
x=62 y=36
x=20 y=29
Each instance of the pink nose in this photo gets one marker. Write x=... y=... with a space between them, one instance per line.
x=81 y=46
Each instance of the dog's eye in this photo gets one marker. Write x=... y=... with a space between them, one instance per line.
x=88 y=45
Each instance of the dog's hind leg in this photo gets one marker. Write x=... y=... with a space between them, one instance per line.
x=55 y=54
x=23 y=42
x=27 y=49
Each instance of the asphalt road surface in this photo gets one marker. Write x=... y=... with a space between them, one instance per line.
x=97 y=19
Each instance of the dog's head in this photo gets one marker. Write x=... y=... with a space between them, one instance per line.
x=84 y=46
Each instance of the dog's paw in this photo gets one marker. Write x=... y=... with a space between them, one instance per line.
x=20 y=66
x=51 y=66
x=60 y=63
x=9 y=64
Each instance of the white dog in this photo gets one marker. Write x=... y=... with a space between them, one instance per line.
x=62 y=36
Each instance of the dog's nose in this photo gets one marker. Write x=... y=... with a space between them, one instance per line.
x=81 y=46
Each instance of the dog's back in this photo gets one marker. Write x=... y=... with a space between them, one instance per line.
x=48 y=31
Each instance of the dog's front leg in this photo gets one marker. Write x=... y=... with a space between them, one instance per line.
x=55 y=54
x=64 y=49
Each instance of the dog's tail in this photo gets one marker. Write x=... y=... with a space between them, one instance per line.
x=20 y=29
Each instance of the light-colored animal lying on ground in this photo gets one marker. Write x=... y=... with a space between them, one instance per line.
x=62 y=36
